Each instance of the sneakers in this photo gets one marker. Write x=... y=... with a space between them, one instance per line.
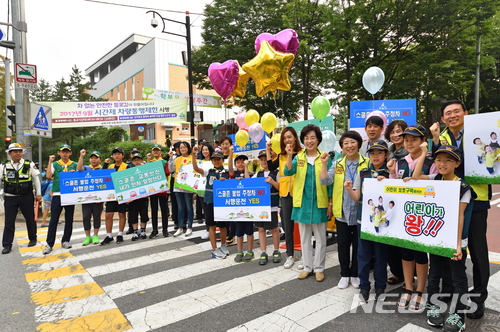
x=153 y=234
x=188 y=232
x=7 y=250
x=165 y=233
x=47 y=250
x=263 y=258
x=107 y=240
x=301 y=265
x=32 y=243
x=119 y=238
x=248 y=256
x=135 y=237
x=217 y=254
x=87 y=241
x=229 y=239
x=178 y=232
x=355 y=282
x=143 y=235
x=239 y=257
x=276 y=256
x=223 y=248
x=343 y=283
x=95 y=239
x=289 y=262
x=66 y=245
x=434 y=317
x=454 y=323
x=205 y=236
x=364 y=294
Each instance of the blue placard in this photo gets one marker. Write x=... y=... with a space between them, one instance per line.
x=88 y=186
x=251 y=149
x=396 y=109
x=242 y=200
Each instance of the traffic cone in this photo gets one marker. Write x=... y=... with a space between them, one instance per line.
x=296 y=239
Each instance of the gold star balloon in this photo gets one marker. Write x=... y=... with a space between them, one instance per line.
x=269 y=69
x=241 y=86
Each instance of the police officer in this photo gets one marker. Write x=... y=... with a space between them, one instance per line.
x=18 y=177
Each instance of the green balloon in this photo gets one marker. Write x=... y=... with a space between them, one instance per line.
x=320 y=107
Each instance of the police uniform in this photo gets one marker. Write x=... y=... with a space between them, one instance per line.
x=17 y=182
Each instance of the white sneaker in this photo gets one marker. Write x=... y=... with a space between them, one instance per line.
x=178 y=232
x=301 y=265
x=223 y=248
x=205 y=236
x=343 y=283
x=188 y=232
x=66 y=245
x=355 y=282
x=289 y=262
x=47 y=250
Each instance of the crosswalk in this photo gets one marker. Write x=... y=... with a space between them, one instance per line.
x=170 y=284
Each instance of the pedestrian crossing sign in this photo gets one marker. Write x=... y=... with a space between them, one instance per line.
x=41 y=120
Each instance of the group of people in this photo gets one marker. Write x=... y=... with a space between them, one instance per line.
x=307 y=187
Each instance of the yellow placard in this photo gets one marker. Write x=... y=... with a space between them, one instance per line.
x=424 y=191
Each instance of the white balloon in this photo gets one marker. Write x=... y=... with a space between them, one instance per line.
x=256 y=132
x=373 y=79
x=328 y=142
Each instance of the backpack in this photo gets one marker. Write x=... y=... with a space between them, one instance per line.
x=45 y=185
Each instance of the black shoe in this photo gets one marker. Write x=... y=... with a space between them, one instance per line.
x=107 y=240
x=378 y=293
x=478 y=314
x=282 y=236
x=7 y=250
x=364 y=294
x=153 y=234
x=165 y=233
x=119 y=239
x=200 y=220
x=130 y=231
x=229 y=239
x=135 y=237
x=32 y=243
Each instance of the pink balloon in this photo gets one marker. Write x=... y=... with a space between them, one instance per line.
x=240 y=121
x=224 y=77
x=286 y=41
x=380 y=114
x=256 y=132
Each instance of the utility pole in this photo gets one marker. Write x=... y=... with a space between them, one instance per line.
x=7 y=95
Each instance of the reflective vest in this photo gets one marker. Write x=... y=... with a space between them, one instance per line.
x=300 y=179
x=17 y=182
x=286 y=182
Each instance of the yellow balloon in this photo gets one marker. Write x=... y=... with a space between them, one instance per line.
x=242 y=138
x=241 y=86
x=276 y=143
x=268 y=122
x=269 y=69
x=251 y=117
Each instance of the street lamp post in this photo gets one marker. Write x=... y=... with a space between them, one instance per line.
x=154 y=24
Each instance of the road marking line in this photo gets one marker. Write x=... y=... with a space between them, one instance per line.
x=56 y=273
x=39 y=239
x=47 y=258
x=413 y=328
x=60 y=283
x=72 y=293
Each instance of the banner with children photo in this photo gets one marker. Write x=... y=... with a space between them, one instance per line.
x=420 y=215
x=481 y=148
x=86 y=187
x=242 y=200
x=190 y=180
x=140 y=181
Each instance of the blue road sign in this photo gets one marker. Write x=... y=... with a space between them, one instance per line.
x=1 y=34
x=41 y=121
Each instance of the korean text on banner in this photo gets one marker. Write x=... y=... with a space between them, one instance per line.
x=242 y=200
x=140 y=181
x=85 y=187
x=190 y=180
x=419 y=215
x=104 y=113
x=251 y=149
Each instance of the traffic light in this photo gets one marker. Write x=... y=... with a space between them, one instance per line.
x=12 y=118
x=8 y=140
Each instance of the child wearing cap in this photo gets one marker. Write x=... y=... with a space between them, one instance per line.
x=138 y=206
x=447 y=158
x=158 y=200
x=378 y=152
x=64 y=164
x=272 y=177
x=92 y=209
x=113 y=206
x=218 y=172
x=412 y=260
x=237 y=172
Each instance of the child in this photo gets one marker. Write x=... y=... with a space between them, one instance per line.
x=494 y=141
x=238 y=173
x=490 y=158
x=218 y=172
x=47 y=202
x=387 y=216
x=113 y=206
x=372 y=209
x=480 y=149
x=243 y=228
x=158 y=200
x=447 y=158
x=403 y=168
x=64 y=164
x=378 y=151
x=273 y=179
x=380 y=201
x=92 y=209
x=138 y=206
